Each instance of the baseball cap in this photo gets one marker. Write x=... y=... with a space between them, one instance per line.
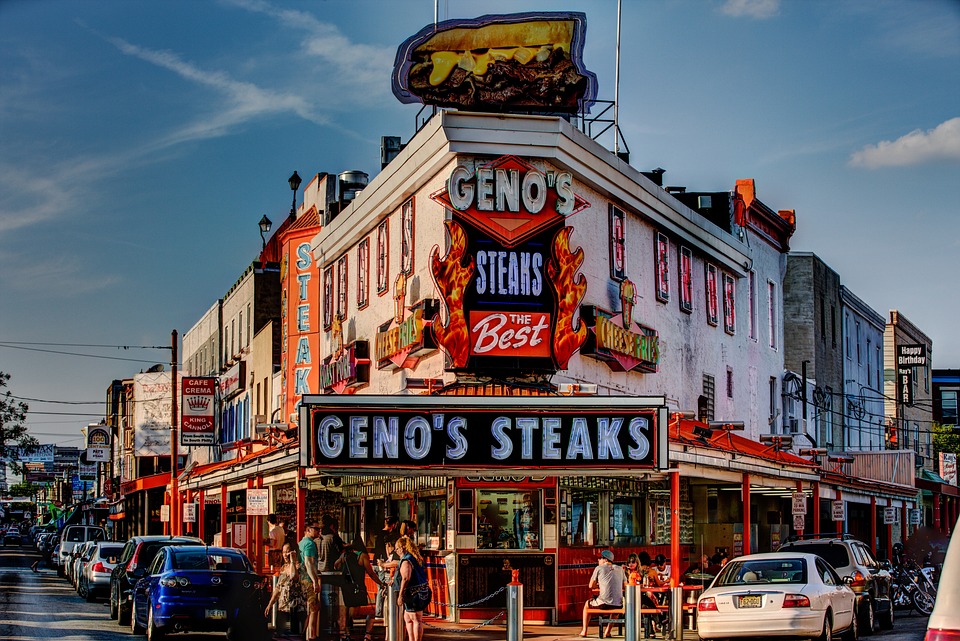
x=608 y=555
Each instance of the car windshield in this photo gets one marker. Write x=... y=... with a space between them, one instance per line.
x=751 y=572
x=833 y=553
x=200 y=559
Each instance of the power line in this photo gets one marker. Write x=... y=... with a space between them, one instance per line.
x=62 y=353
x=86 y=345
x=40 y=400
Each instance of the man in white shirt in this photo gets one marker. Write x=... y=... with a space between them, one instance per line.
x=609 y=580
x=276 y=537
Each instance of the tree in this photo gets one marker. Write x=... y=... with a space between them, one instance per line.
x=14 y=438
x=24 y=489
x=945 y=439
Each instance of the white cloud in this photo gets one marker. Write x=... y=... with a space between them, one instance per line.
x=915 y=148
x=759 y=9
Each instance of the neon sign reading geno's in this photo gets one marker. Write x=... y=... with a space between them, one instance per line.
x=483 y=437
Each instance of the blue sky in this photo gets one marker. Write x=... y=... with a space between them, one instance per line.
x=140 y=143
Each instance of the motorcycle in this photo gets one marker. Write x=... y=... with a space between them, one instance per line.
x=912 y=588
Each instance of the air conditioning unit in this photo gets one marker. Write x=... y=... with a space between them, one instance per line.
x=793 y=425
x=260 y=418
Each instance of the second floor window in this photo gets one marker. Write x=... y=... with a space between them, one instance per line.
x=713 y=306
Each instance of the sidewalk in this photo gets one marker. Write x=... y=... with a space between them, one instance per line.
x=441 y=630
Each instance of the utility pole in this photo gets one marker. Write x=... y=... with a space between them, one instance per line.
x=174 y=421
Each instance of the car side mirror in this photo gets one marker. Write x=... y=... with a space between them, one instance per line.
x=848 y=580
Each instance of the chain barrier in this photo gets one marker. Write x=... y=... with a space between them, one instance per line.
x=476 y=627
x=455 y=606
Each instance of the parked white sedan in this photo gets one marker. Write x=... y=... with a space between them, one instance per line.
x=783 y=594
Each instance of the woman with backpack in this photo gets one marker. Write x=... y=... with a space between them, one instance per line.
x=415 y=592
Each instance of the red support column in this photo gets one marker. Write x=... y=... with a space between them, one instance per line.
x=225 y=539
x=873 y=525
x=301 y=505
x=936 y=511
x=201 y=508
x=890 y=533
x=675 y=568
x=904 y=523
x=746 y=513
x=251 y=538
x=800 y=489
x=840 y=524
x=816 y=507
x=189 y=527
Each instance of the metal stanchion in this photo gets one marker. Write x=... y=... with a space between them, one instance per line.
x=631 y=607
x=391 y=611
x=515 y=608
x=275 y=609
x=676 y=613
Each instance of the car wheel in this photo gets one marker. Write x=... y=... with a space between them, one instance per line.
x=852 y=633
x=154 y=633
x=81 y=589
x=868 y=617
x=886 y=618
x=135 y=627
x=827 y=634
x=113 y=604
x=88 y=594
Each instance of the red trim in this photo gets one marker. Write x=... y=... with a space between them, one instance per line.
x=145 y=483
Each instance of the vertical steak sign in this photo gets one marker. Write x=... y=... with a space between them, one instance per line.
x=510 y=281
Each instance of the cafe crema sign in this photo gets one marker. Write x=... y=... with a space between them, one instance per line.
x=484 y=432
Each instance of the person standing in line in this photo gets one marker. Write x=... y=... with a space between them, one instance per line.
x=387 y=536
x=608 y=579
x=412 y=577
x=308 y=555
x=275 y=540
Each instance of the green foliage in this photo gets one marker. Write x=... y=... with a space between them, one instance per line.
x=24 y=489
x=14 y=438
x=945 y=439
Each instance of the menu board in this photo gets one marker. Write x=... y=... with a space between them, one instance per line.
x=480 y=575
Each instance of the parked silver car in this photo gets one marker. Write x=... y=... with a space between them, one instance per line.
x=95 y=573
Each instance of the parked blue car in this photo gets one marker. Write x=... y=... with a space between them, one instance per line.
x=192 y=588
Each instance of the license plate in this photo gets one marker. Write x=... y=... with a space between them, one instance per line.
x=751 y=601
x=216 y=614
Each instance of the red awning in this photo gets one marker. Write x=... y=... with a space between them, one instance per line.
x=145 y=483
x=692 y=432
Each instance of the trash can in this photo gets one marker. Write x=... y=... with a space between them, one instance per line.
x=330 y=604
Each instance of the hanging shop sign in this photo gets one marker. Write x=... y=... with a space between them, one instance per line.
x=198 y=410
x=258 y=502
x=346 y=370
x=478 y=433
x=905 y=385
x=98 y=443
x=510 y=280
x=519 y=62
x=232 y=381
x=406 y=338
x=619 y=341
x=912 y=355
x=838 y=511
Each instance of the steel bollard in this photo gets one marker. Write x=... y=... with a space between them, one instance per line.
x=515 y=608
x=276 y=606
x=676 y=613
x=631 y=618
x=691 y=613
x=392 y=618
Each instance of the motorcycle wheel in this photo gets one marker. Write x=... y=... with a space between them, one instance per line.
x=923 y=602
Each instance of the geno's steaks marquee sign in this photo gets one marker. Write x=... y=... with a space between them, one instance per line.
x=437 y=432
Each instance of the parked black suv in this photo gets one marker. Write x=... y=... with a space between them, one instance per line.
x=851 y=557
x=134 y=561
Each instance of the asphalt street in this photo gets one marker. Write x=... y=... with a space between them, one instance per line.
x=41 y=605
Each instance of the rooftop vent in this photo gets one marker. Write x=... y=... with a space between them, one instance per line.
x=351 y=183
x=656 y=175
x=675 y=190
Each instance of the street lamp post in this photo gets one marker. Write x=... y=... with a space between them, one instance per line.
x=265 y=225
x=294 y=182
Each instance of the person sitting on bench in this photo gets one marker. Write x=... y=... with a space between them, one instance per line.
x=609 y=580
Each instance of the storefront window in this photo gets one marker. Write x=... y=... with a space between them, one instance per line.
x=584 y=518
x=508 y=520
x=627 y=522
x=432 y=522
